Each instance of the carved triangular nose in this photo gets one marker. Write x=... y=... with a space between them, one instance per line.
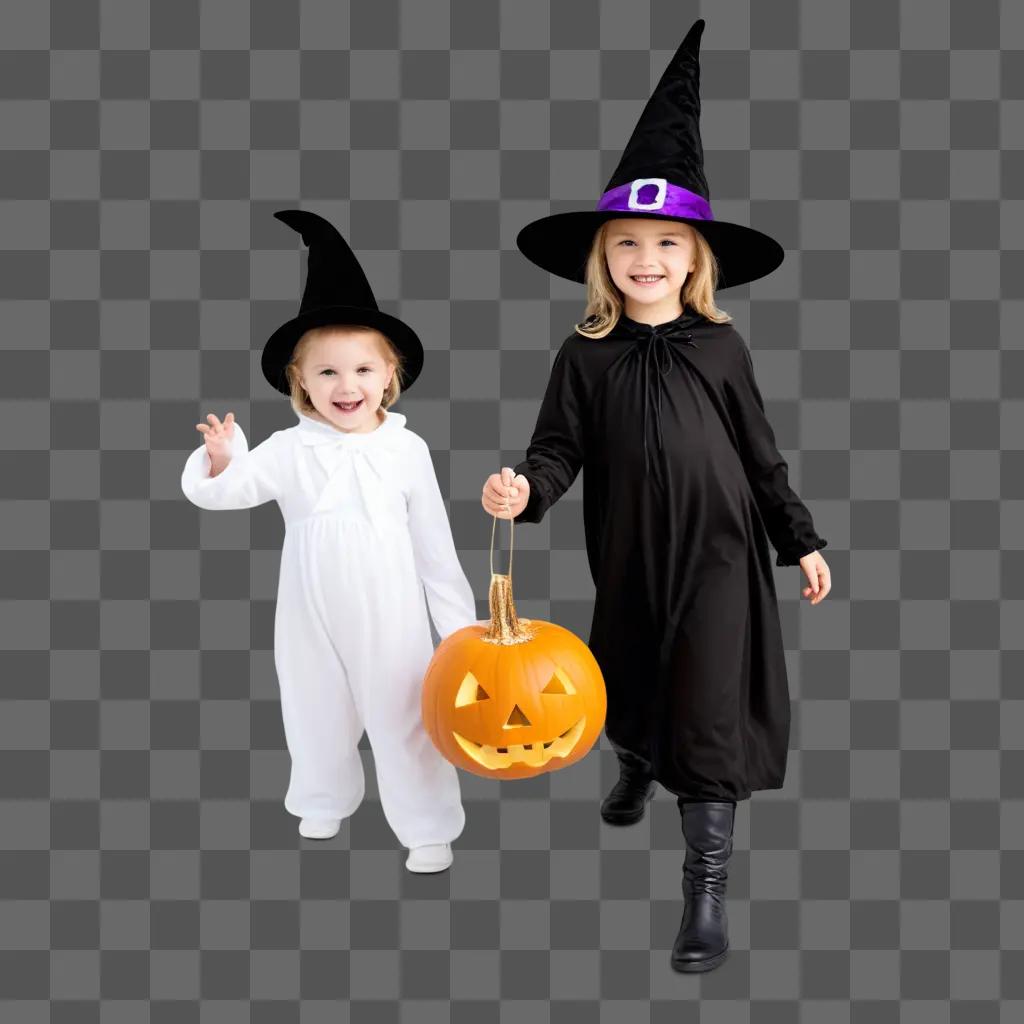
x=516 y=718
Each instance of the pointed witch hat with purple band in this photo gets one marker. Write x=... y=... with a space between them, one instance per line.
x=336 y=292
x=660 y=176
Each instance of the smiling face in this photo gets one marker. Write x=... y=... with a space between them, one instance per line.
x=498 y=733
x=648 y=261
x=345 y=374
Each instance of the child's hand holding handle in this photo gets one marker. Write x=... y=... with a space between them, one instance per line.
x=505 y=495
x=218 y=437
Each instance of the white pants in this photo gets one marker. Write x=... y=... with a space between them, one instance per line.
x=351 y=646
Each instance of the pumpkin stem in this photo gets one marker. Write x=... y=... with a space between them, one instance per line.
x=506 y=627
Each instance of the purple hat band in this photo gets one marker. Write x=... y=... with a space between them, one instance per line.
x=656 y=195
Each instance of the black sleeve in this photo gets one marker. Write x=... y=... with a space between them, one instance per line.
x=786 y=519
x=555 y=455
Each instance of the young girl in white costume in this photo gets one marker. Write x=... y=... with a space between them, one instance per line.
x=366 y=532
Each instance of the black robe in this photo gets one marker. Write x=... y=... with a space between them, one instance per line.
x=683 y=486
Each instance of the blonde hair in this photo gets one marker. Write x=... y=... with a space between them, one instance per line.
x=300 y=396
x=605 y=302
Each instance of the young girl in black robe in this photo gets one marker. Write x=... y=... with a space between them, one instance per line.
x=653 y=396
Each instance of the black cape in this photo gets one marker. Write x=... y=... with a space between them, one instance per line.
x=683 y=487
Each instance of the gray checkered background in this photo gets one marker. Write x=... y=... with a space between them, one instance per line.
x=148 y=869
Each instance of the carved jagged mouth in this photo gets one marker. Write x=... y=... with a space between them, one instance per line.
x=534 y=754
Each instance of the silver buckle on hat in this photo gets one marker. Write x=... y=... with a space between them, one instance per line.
x=656 y=203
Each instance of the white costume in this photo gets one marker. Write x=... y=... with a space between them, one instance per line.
x=365 y=532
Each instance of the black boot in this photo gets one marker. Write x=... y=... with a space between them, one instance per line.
x=703 y=940
x=627 y=801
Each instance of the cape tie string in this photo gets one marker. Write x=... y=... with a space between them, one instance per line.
x=656 y=358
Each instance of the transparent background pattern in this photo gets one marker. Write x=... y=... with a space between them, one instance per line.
x=148 y=869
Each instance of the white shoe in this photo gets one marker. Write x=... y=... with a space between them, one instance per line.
x=430 y=858
x=319 y=828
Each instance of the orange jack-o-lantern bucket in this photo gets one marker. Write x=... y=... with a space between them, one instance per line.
x=514 y=699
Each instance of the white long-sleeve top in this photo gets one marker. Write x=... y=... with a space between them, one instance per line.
x=384 y=477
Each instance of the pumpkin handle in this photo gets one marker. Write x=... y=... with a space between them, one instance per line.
x=505 y=627
x=511 y=528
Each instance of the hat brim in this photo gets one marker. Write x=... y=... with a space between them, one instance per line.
x=560 y=244
x=278 y=351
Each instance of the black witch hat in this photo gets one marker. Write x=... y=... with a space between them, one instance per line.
x=660 y=176
x=336 y=292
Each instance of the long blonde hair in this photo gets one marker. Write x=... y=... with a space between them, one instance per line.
x=300 y=396
x=605 y=302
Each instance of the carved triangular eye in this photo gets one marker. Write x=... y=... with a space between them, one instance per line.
x=559 y=683
x=516 y=718
x=470 y=692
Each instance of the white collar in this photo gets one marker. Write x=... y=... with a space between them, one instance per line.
x=313 y=432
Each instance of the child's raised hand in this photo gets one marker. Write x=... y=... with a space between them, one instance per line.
x=218 y=435
x=505 y=495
